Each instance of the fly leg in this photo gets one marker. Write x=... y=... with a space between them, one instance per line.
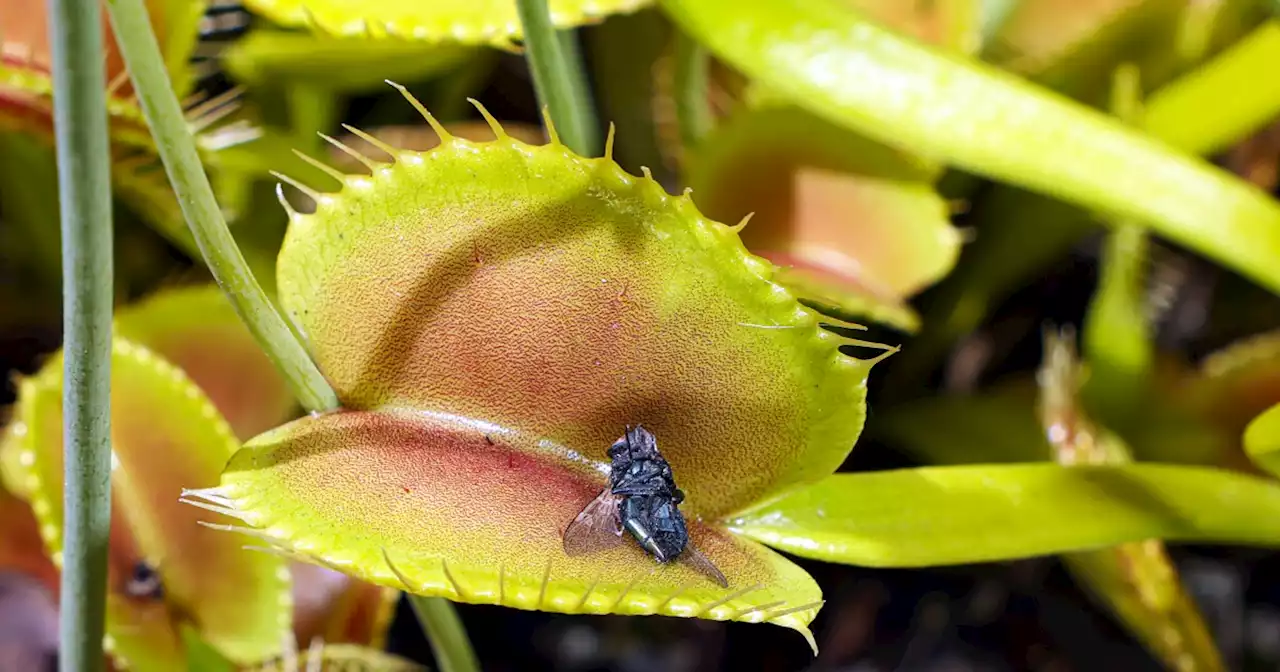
x=646 y=540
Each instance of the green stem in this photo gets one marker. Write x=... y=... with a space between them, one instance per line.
x=178 y=151
x=559 y=79
x=84 y=183
x=444 y=630
x=693 y=111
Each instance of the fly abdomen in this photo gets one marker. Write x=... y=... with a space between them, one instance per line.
x=656 y=524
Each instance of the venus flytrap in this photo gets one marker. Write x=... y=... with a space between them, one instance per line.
x=490 y=448
x=149 y=531
x=456 y=476
x=486 y=22
x=193 y=335
x=26 y=91
x=855 y=227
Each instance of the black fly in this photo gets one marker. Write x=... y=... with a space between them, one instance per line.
x=642 y=499
x=144 y=583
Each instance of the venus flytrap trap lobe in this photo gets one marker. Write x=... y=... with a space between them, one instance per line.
x=25 y=81
x=634 y=308
x=196 y=330
x=150 y=528
x=855 y=227
x=483 y=22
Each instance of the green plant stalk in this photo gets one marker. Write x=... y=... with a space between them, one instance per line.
x=84 y=185
x=444 y=630
x=693 y=110
x=558 y=79
x=186 y=173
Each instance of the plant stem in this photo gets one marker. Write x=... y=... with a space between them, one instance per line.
x=693 y=110
x=444 y=630
x=84 y=184
x=178 y=151
x=558 y=79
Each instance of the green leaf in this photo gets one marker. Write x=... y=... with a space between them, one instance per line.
x=200 y=656
x=271 y=57
x=828 y=58
x=1008 y=251
x=1178 y=113
x=983 y=513
x=1117 y=330
x=1262 y=440
x=464 y=21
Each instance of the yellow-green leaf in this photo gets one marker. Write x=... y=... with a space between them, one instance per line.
x=339 y=658
x=829 y=59
x=1178 y=114
x=982 y=513
x=273 y=57
x=1262 y=440
x=477 y=22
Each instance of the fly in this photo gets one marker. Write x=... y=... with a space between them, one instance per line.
x=144 y=582
x=643 y=500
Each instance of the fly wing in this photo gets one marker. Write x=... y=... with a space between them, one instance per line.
x=698 y=561
x=597 y=528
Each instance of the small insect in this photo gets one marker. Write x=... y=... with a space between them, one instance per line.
x=642 y=499
x=144 y=583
